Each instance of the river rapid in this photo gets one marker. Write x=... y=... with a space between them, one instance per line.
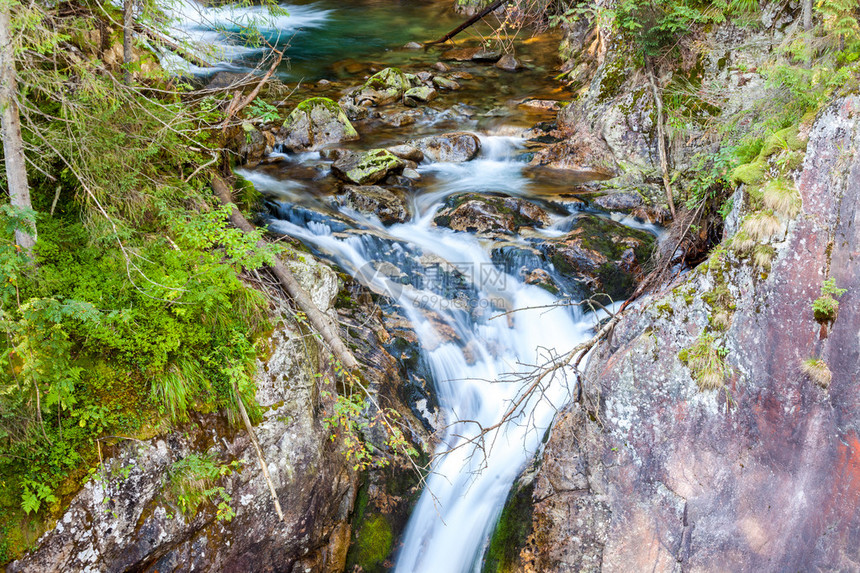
x=483 y=330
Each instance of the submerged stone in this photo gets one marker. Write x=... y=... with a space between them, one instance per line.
x=389 y=205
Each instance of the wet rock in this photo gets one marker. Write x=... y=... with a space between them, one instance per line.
x=389 y=205
x=621 y=202
x=488 y=214
x=441 y=67
x=545 y=104
x=479 y=54
x=445 y=83
x=399 y=118
x=757 y=474
x=541 y=278
x=226 y=80
x=602 y=255
x=368 y=167
x=508 y=63
x=315 y=123
x=412 y=46
x=588 y=156
x=384 y=87
x=252 y=144
x=424 y=76
x=411 y=174
x=455 y=147
x=414 y=97
x=407 y=152
x=353 y=112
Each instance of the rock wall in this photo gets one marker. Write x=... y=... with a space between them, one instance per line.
x=126 y=520
x=762 y=474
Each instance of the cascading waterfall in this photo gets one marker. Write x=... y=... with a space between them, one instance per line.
x=477 y=373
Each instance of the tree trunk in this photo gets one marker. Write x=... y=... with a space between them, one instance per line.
x=127 y=38
x=10 y=124
x=661 y=138
x=807 y=15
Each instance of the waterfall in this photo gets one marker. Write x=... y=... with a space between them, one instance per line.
x=477 y=372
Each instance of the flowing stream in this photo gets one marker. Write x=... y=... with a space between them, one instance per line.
x=457 y=289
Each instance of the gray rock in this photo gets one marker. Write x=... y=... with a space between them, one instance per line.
x=508 y=63
x=454 y=147
x=368 y=167
x=445 y=83
x=619 y=201
x=416 y=96
x=407 y=152
x=315 y=123
x=412 y=46
x=384 y=87
x=389 y=205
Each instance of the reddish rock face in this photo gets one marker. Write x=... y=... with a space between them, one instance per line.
x=762 y=475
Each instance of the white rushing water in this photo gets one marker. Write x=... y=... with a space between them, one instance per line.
x=476 y=373
x=220 y=34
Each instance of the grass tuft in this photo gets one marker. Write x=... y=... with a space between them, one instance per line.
x=817 y=370
x=781 y=197
x=761 y=226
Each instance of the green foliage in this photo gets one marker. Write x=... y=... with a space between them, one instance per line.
x=264 y=111
x=191 y=482
x=707 y=362
x=351 y=417
x=826 y=306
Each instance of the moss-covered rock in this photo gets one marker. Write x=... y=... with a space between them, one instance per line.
x=386 y=86
x=490 y=214
x=602 y=255
x=787 y=139
x=416 y=96
x=314 y=123
x=511 y=532
x=367 y=168
x=750 y=173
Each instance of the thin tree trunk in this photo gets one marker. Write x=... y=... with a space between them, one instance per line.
x=661 y=138
x=10 y=124
x=807 y=15
x=127 y=38
x=291 y=286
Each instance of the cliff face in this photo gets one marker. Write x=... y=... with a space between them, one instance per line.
x=763 y=474
x=127 y=519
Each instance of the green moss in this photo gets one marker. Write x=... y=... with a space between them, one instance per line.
x=373 y=543
x=511 y=532
x=783 y=140
x=309 y=104
x=613 y=78
x=750 y=173
x=389 y=78
x=307 y=107
x=373 y=162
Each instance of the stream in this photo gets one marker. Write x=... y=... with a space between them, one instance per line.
x=458 y=289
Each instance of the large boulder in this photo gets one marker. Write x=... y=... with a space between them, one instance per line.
x=602 y=255
x=454 y=147
x=387 y=204
x=368 y=167
x=315 y=123
x=587 y=156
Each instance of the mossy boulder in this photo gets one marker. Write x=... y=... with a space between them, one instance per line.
x=315 y=123
x=752 y=173
x=367 y=168
x=787 y=139
x=601 y=255
x=384 y=87
x=373 y=543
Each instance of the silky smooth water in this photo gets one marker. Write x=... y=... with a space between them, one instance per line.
x=483 y=332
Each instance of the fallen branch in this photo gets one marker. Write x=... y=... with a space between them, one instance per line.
x=260 y=458
x=241 y=104
x=174 y=47
x=480 y=15
x=291 y=286
x=661 y=140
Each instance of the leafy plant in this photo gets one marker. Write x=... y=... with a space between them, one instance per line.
x=706 y=361
x=263 y=111
x=826 y=307
x=192 y=481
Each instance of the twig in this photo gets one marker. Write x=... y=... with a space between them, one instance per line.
x=661 y=140
x=250 y=97
x=480 y=15
x=259 y=450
